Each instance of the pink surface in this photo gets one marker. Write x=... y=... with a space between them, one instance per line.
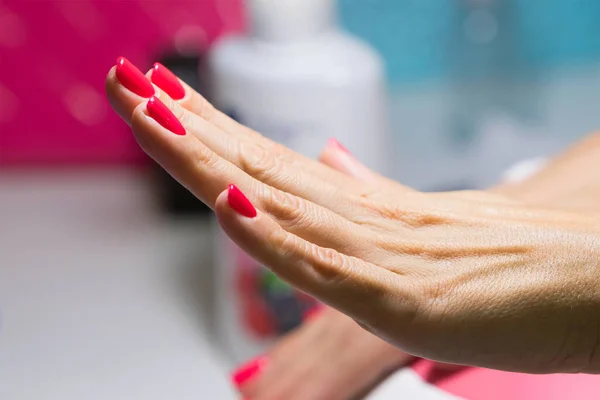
x=54 y=56
x=485 y=384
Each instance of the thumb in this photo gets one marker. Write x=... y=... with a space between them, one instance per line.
x=338 y=157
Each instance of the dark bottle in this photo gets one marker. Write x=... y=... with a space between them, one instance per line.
x=174 y=198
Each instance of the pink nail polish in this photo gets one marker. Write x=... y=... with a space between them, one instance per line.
x=161 y=114
x=167 y=81
x=240 y=203
x=248 y=371
x=133 y=79
x=334 y=143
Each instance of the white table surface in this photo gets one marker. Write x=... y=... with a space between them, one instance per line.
x=93 y=303
x=101 y=298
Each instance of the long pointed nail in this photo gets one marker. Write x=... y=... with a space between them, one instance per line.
x=133 y=79
x=165 y=117
x=240 y=203
x=167 y=81
x=248 y=371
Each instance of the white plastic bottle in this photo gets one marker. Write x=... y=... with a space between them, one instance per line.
x=299 y=80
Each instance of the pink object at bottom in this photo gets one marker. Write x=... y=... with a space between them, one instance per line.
x=486 y=384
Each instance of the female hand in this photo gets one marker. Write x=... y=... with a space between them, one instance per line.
x=335 y=359
x=329 y=357
x=469 y=278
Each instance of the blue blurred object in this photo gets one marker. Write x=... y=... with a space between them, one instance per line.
x=554 y=33
x=412 y=35
x=419 y=38
x=477 y=85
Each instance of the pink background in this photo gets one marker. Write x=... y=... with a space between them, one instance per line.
x=55 y=54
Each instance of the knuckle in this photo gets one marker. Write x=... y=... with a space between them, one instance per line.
x=259 y=162
x=331 y=266
x=327 y=265
x=284 y=243
x=204 y=157
x=285 y=207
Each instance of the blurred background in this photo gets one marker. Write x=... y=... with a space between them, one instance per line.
x=102 y=256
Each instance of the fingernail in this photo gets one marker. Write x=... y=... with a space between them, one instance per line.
x=249 y=370
x=240 y=203
x=133 y=79
x=167 y=81
x=161 y=114
x=337 y=145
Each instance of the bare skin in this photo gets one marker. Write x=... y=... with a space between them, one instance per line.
x=334 y=358
x=471 y=278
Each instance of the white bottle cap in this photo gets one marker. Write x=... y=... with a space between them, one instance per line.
x=284 y=20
